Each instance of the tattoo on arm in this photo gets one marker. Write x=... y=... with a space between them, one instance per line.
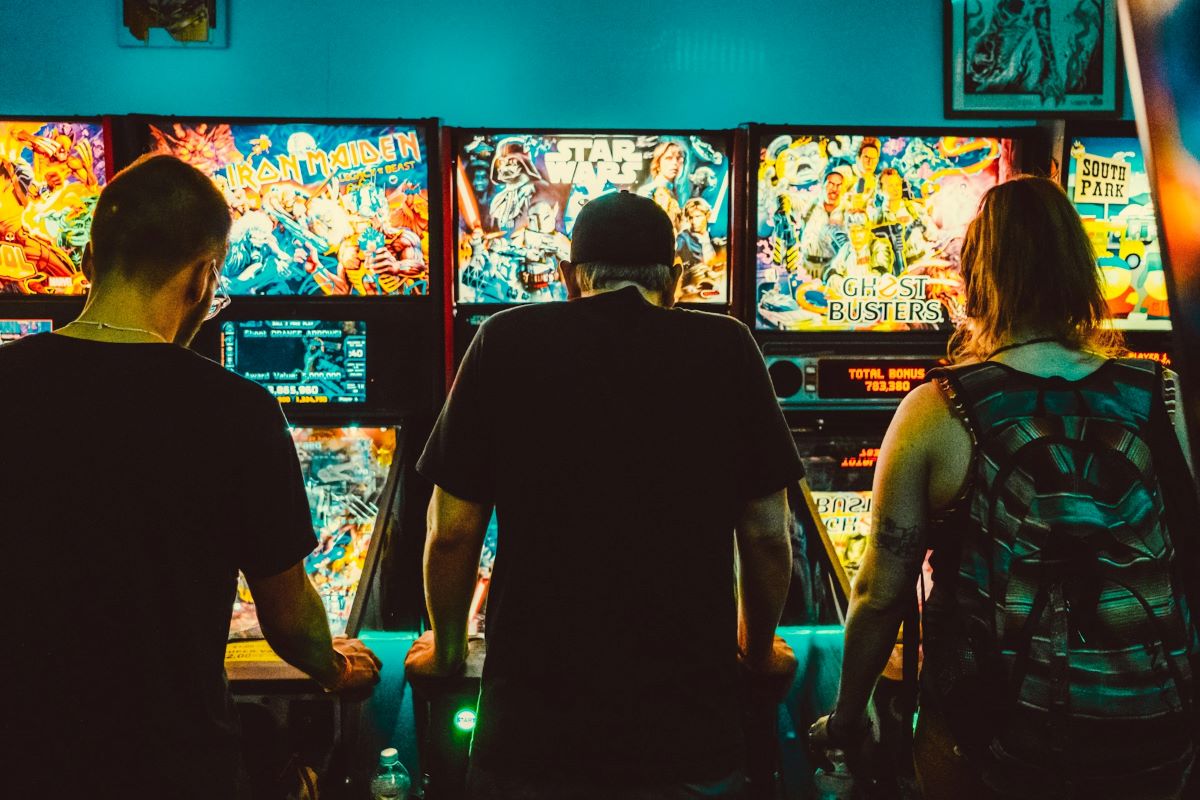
x=905 y=542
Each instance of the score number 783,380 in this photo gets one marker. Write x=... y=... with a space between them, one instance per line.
x=871 y=378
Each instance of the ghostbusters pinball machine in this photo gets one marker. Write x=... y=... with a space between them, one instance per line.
x=1104 y=172
x=51 y=172
x=515 y=196
x=855 y=287
x=333 y=312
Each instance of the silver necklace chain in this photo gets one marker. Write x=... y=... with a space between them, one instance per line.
x=109 y=326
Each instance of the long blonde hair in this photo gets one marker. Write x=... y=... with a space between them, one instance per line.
x=1028 y=264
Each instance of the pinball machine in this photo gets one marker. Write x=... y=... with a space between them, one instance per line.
x=854 y=289
x=516 y=194
x=51 y=172
x=336 y=310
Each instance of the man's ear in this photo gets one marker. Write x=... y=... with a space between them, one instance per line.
x=197 y=279
x=570 y=279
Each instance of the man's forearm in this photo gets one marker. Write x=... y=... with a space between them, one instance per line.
x=302 y=639
x=870 y=638
x=764 y=573
x=451 y=570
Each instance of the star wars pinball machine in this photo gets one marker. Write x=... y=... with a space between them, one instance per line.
x=515 y=197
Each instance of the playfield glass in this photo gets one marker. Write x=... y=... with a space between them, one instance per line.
x=863 y=233
x=839 y=470
x=518 y=195
x=319 y=209
x=1107 y=181
x=345 y=472
x=51 y=174
x=477 y=616
x=300 y=361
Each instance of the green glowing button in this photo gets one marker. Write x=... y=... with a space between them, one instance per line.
x=464 y=719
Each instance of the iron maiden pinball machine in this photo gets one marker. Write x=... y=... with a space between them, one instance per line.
x=854 y=288
x=334 y=311
x=1104 y=172
x=516 y=194
x=51 y=172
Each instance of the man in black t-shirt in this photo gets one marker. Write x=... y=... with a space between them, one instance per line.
x=137 y=479
x=622 y=442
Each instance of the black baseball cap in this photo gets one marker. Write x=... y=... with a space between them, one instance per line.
x=623 y=229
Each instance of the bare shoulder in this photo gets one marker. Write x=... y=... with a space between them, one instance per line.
x=928 y=438
x=925 y=411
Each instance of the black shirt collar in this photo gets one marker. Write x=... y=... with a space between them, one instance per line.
x=625 y=297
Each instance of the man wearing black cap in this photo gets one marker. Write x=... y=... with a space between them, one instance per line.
x=620 y=462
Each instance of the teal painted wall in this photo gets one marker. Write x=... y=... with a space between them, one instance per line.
x=623 y=63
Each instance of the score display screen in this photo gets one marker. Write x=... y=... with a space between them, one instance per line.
x=865 y=379
x=51 y=174
x=863 y=233
x=13 y=329
x=345 y=471
x=1153 y=355
x=1107 y=182
x=518 y=195
x=318 y=208
x=300 y=361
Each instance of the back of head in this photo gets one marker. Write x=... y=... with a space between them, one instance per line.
x=1030 y=270
x=624 y=237
x=154 y=218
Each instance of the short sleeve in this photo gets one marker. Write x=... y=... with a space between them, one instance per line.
x=457 y=456
x=767 y=455
x=273 y=521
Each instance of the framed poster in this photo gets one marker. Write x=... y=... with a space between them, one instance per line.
x=173 y=23
x=1053 y=58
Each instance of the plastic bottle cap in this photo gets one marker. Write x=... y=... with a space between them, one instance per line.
x=389 y=757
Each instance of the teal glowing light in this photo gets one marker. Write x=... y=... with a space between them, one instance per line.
x=464 y=719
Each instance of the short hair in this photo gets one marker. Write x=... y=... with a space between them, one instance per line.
x=1028 y=263
x=597 y=275
x=870 y=141
x=154 y=218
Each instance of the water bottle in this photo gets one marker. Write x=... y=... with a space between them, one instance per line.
x=835 y=784
x=391 y=780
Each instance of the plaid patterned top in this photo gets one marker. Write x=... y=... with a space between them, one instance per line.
x=1058 y=635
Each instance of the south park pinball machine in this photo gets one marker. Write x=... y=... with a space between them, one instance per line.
x=332 y=310
x=1105 y=175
